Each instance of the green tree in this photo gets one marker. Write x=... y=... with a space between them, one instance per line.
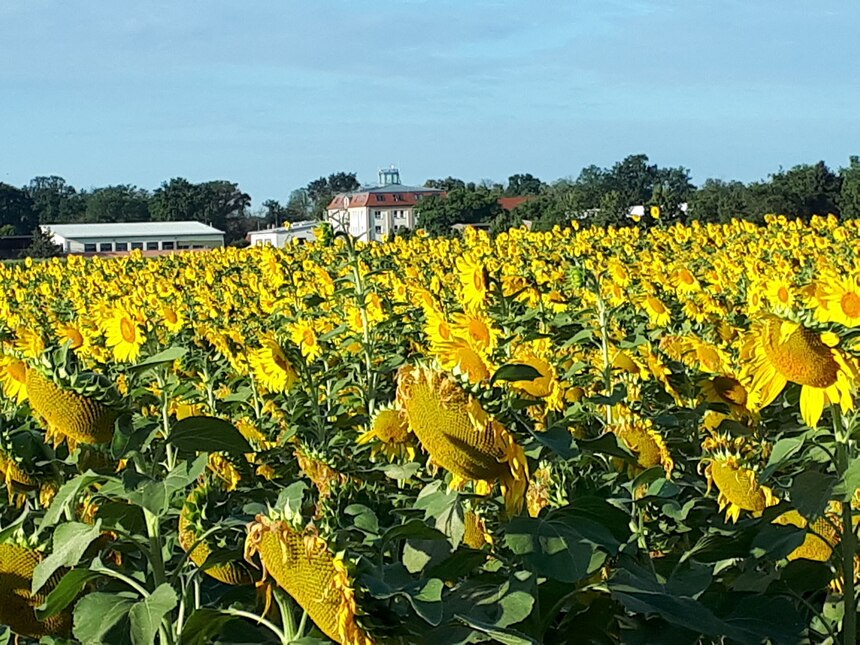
x=436 y=214
x=523 y=184
x=175 y=201
x=849 y=194
x=55 y=201
x=42 y=246
x=121 y=203
x=447 y=184
x=321 y=191
x=802 y=191
x=16 y=210
x=718 y=201
x=299 y=206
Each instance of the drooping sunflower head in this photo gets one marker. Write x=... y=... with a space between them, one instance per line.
x=738 y=487
x=195 y=519
x=316 y=466
x=459 y=435
x=390 y=434
x=17 y=603
x=302 y=564
x=822 y=535
x=644 y=441
x=70 y=415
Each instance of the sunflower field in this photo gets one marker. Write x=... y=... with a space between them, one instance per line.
x=587 y=435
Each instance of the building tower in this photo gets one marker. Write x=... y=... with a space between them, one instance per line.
x=389 y=176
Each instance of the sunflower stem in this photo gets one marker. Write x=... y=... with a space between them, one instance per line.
x=849 y=540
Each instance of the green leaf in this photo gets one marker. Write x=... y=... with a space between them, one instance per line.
x=96 y=616
x=167 y=356
x=782 y=451
x=203 y=625
x=811 y=490
x=413 y=529
x=146 y=615
x=71 y=585
x=208 y=434
x=66 y=496
x=70 y=542
x=155 y=495
x=552 y=548
x=850 y=481
x=515 y=372
x=500 y=635
x=290 y=499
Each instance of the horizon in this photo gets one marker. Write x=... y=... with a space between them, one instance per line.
x=274 y=97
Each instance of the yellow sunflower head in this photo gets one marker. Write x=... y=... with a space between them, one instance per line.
x=458 y=434
x=779 y=351
x=390 y=434
x=301 y=563
x=738 y=487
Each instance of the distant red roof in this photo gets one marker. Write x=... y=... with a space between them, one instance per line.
x=401 y=196
x=510 y=203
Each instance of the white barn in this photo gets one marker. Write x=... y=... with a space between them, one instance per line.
x=123 y=237
x=280 y=236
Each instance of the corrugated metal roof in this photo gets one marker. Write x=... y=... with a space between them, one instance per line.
x=131 y=229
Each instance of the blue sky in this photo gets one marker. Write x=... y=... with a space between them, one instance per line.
x=273 y=94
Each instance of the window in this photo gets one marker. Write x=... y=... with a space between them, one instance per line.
x=377 y=214
x=122 y=246
x=136 y=245
x=89 y=248
x=380 y=198
x=378 y=229
x=398 y=198
x=184 y=246
x=106 y=247
x=167 y=246
x=152 y=246
x=198 y=246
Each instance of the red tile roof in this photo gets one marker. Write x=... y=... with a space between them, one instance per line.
x=510 y=203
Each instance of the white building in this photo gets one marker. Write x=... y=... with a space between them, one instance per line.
x=128 y=236
x=372 y=213
x=279 y=237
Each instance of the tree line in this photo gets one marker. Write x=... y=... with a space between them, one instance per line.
x=597 y=195
x=222 y=204
x=604 y=196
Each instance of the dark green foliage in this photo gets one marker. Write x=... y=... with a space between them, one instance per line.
x=42 y=246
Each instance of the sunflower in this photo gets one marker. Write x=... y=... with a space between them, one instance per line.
x=839 y=302
x=641 y=439
x=738 y=487
x=458 y=356
x=18 y=604
x=303 y=335
x=459 y=435
x=390 y=434
x=477 y=330
x=779 y=293
x=821 y=536
x=172 y=318
x=199 y=548
x=779 y=351
x=15 y=477
x=473 y=281
x=271 y=366
x=13 y=376
x=123 y=334
x=70 y=333
x=314 y=466
x=301 y=563
x=475 y=534
x=658 y=313
x=69 y=415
